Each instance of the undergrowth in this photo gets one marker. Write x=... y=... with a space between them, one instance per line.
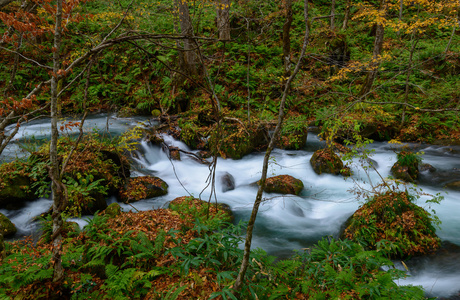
x=184 y=254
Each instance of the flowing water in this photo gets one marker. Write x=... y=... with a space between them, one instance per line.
x=291 y=222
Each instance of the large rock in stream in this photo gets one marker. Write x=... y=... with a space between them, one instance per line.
x=283 y=184
x=406 y=168
x=326 y=161
x=15 y=192
x=15 y=185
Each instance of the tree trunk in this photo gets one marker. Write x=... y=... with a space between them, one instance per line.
x=346 y=16
x=332 y=14
x=190 y=60
x=247 y=246
x=223 y=19
x=56 y=184
x=374 y=65
x=409 y=69
x=287 y=39
x=453 y=30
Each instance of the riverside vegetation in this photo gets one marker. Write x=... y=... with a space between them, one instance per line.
x=224 y=103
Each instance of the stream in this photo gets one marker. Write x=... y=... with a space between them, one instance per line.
x=284 y=222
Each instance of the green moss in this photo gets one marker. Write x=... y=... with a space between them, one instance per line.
x=113 y=210
x=326 y=161
x=283 y=184
x=7 y=228
x=393 y=217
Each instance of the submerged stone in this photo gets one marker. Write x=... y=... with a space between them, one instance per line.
x=455 y=185
x=228 y=182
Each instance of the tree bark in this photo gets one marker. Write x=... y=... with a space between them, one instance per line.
x=190 y=59
x=223 y=19
x=409 y=69
x=332 y=14
x=374 y=65
x=247 y=246
x=346 y=16
x=287 y=39
x=56 y=184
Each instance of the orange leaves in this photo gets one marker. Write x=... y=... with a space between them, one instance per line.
x=69 y=125
x=11 y=104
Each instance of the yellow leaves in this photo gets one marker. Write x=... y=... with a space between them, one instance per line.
x=358 y=66
x=395 y=141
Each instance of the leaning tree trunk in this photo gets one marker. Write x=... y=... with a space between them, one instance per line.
x=247 y=246
x=414 y=41
x=56 y=184
x=378 y=45
x=190 y=59
x=223 y=19
x=287 y=39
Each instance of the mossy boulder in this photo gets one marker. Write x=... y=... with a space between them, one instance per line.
x=199 y=208
x=96 y=170
x=113 y=210
x=394 y=217
x=294 y=140
x=143 y=187
x=406 y=167
x=15 y=191
x=235 y=140
x=326 y=161
x=7 y=228
x=283 y=184
x=190 y=134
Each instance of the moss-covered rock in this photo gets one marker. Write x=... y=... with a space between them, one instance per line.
x=143 y=187
x=326 y=161
x=294 y=140
x=199 y=208
x=96 y=170
x=7 y=228
x=15 y=190
x=113 y=210
x=294 y=133
x=235 y=140
x=395 y=218
x=406 y=167
x=283 y=184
